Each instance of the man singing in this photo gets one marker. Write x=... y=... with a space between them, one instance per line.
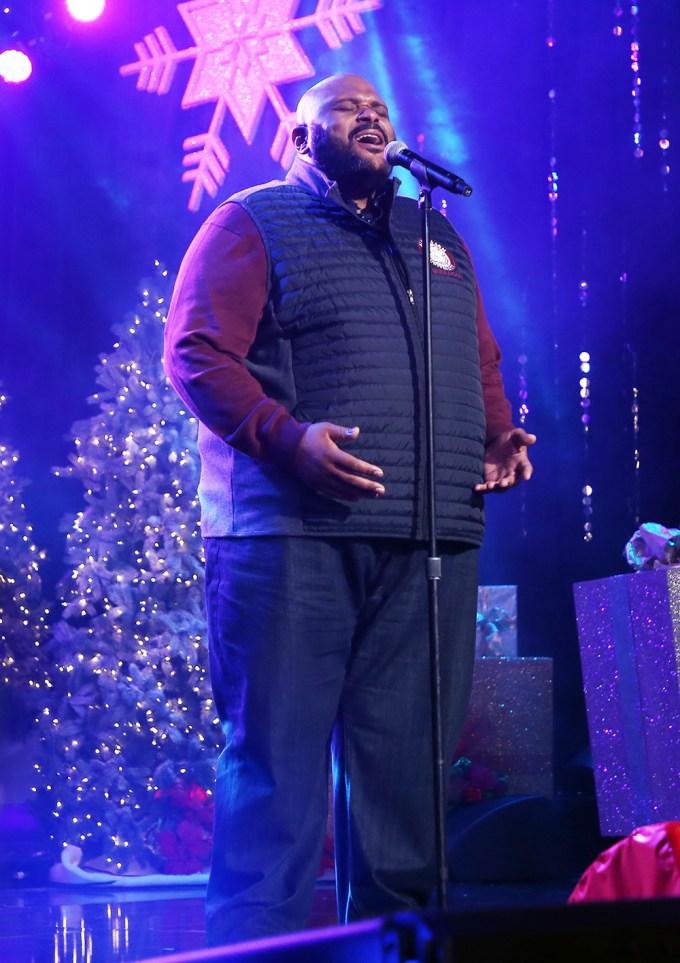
x=295 y=335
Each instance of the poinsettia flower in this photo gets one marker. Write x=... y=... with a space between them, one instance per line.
x=186 y=851
x=196 y=842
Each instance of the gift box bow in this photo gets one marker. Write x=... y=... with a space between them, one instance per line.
x=653 y=546
x=493 y=623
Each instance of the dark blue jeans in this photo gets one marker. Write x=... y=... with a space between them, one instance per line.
x=315 y=642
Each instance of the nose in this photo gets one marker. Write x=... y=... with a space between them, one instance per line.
x=368 y=113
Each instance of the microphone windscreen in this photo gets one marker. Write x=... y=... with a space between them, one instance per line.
x=392 y=151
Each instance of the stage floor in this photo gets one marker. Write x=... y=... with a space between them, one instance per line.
x=91 y=925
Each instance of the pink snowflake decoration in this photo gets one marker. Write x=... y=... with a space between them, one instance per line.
x=243 y=50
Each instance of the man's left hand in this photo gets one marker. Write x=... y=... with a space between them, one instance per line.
x=506 y=462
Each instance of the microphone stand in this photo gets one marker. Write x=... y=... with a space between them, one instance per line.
x=433 y=563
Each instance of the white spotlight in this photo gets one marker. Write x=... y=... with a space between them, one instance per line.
x=15 y=66
x=85 y=10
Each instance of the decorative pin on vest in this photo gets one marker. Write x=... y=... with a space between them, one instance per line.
x=442 y=261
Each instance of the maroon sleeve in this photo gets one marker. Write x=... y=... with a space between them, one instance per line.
x=216 y=306
x=496 y=405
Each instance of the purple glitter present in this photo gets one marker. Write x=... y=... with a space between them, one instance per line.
x=629 y=632
x=509 y=723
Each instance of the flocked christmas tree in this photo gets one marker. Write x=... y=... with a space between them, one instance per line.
x=130 y=740
x=22 y=612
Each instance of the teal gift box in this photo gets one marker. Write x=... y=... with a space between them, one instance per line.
x=496 y=622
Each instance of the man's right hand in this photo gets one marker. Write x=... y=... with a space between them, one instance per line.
x=323 y=465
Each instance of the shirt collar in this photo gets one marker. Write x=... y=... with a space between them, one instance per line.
x=310 y=178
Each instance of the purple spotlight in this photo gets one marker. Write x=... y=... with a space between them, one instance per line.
x=85 y=10
x=15 y=66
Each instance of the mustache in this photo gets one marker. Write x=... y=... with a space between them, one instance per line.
x=363 y=128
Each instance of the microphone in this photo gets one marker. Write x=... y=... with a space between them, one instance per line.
x=397 y=153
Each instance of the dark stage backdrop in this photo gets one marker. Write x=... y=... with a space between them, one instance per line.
x=562 y=114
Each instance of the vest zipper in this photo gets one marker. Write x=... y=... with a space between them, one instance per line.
x=402 y=271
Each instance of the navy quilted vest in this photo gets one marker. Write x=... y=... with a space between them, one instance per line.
x=341 y=340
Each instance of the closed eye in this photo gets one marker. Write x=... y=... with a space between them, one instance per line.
x=377 y=106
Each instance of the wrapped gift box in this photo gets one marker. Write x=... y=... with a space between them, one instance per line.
x=629 y=634
x=496 y=621
x=509 y=723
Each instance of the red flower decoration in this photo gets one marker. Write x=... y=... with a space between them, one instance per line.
x=186 y=846
x=185 y=851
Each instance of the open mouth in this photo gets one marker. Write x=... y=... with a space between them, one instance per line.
x=373 y=138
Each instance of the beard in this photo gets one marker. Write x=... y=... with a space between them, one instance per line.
x=357 y=175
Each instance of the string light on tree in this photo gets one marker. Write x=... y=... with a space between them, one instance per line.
x=129 y=653
x=23 y=614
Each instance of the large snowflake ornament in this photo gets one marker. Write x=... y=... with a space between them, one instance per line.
x=243 y=50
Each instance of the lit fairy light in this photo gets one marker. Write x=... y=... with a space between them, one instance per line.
x=135 y=635
x=22 y=618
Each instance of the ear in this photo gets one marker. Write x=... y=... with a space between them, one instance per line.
x=299 y=138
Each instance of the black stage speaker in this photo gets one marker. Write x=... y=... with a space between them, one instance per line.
x=523 y=838
x=635 y=931
x=641 y=931
x=511 y=838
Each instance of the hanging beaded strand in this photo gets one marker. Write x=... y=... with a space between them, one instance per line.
x=664 y=134
x=638 y=150
x=630 y=355
x=584 y=391
x=553 y=192
x=633 y=392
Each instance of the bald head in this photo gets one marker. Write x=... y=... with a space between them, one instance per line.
x=342 y=128
x=314 y=98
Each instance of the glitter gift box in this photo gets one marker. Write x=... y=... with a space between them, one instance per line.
x=629 y=633
x=509 y=723
x=496 y=621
